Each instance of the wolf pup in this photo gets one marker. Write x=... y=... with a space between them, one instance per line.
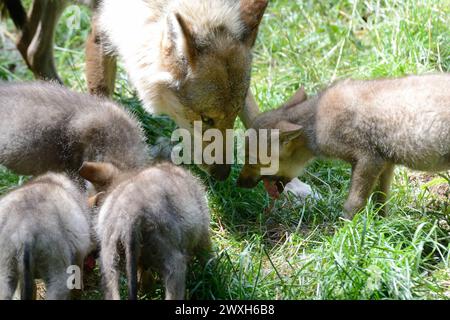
x=188 y=59
x=45 y=127
x=374 y=125
x=44 y=230
x=158 y=216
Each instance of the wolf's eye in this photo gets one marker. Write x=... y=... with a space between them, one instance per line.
x=208 y=121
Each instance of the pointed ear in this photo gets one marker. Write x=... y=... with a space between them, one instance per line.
x=289 y=131
x=190 y=50
x=252 y=12
x=179 y=41
x=98 y=173
x=299 y=97
x=95 y=201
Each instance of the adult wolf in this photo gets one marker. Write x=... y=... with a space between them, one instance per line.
x=188 y=59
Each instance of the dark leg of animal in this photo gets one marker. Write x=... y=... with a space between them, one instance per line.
x=29 y=30
x=132 y=255
x=100 y=67
x=27 y=283
x=384 y=185
x=365 y=173
x=40 y=51
x=17 y=13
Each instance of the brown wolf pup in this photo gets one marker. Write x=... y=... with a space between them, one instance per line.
x=44 y=230
x=188 y=59
x=374 y=125
x=158 y=216
x=45 y=127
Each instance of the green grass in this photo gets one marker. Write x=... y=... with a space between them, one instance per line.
x=306 y=251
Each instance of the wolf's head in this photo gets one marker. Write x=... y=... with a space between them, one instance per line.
x=205 y=64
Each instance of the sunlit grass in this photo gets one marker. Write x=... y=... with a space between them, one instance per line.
x=288 y=250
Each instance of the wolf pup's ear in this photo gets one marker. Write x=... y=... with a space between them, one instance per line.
x=252 y=12
x=299 y=97
x=98 y=173
x=289 y=131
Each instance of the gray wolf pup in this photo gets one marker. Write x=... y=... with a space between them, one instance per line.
x=374 y=125
x=158 y=216
x=45 y=127
x=36 y=39
x=44 y=229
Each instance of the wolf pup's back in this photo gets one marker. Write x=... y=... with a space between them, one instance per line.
x=406 y=120
x=47 y=127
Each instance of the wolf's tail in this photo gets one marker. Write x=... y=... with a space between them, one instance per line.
x=27 y=285
x=132 y=252
x=15 y=10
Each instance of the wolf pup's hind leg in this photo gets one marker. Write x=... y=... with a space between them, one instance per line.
x=132 y=249
x=101 y=68
x=36 y=42
x=110 y=269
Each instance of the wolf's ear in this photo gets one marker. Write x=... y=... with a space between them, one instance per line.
x=289 y=131
x=299 y=97
x=252 y=12
x=179 y=40
x=98 y=173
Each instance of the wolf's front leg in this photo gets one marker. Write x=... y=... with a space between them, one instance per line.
x=8 y=283
x=365 y=174
x=101 y=68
